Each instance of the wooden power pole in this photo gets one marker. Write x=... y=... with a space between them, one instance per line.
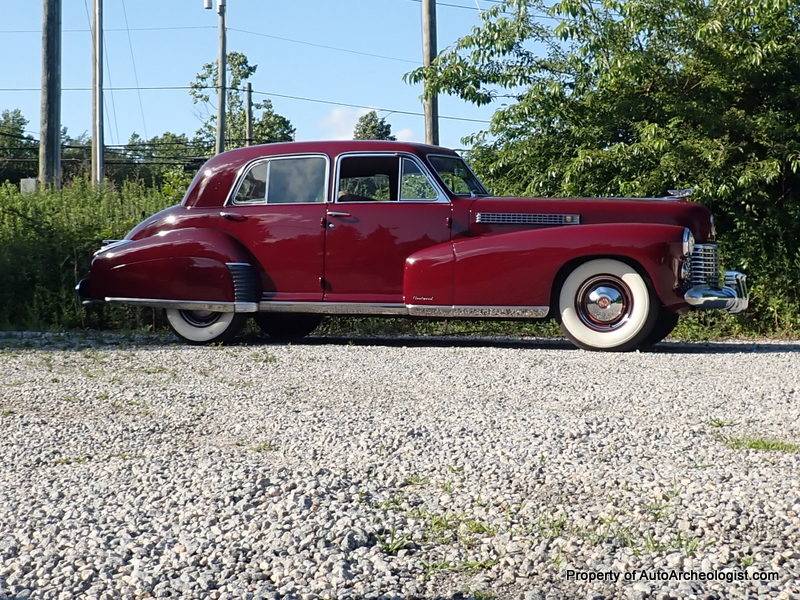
x=98 y=138
x=428 y=54
x=50 y=125
x=248 y=99
x=222 y=68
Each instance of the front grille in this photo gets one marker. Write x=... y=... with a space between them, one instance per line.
x=704 y=265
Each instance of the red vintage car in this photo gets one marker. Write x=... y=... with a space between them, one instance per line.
x=291 y=232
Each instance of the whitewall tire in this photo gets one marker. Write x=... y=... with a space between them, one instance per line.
x=605 y=304
x=205 y=327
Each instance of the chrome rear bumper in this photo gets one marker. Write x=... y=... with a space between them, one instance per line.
x=732 y=296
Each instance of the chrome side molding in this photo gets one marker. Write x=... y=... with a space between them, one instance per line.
x=732 y=296
x=347 y=308
x=239 y=307
x=413 y=310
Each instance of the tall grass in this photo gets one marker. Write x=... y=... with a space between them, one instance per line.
x=46 y=242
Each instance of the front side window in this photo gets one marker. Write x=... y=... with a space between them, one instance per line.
x=414 y=184
x=284 y=181
x=456 y=175
x=383 y=179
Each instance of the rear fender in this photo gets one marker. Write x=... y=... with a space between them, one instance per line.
x=192 y=264
x=522 y=267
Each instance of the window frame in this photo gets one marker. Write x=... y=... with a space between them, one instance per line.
x=466 y=164
x=248 y=166
x=442 y=197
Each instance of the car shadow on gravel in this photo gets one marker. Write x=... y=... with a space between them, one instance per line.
x=668 y=347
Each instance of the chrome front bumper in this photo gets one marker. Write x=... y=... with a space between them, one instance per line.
x=732 y=296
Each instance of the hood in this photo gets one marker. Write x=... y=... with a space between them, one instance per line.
x=669 y=211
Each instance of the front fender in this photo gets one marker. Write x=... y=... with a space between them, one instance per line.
x=192 y=264
x=520 y=268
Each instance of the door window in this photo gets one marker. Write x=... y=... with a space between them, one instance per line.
x=414 y=184
x=291 y=180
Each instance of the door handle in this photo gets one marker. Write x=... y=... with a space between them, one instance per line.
x=231 y=216
x=335 y=213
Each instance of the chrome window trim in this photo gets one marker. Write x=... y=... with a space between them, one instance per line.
x=442 y=195
x=427 y=157
x=244 y=169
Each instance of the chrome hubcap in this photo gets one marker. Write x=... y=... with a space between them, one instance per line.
x=200 y=318
x=604 y=303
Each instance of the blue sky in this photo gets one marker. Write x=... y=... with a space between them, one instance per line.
x=172 y=57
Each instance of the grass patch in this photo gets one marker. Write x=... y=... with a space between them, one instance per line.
x=477 y=527
x=762 y=444
x=71 y=460
x=393 y=543
x=415 y=479
x=264 y=447
x=467 y=566
x=719 y=423
x=6 y=412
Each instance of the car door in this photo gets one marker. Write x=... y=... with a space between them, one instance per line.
x=276 y=211
x=386 y=207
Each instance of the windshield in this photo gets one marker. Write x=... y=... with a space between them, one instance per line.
x=456 y=175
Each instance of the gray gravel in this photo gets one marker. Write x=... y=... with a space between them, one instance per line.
x=395 y=469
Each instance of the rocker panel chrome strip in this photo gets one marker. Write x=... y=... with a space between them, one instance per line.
x=239 y=307
x=414 y=310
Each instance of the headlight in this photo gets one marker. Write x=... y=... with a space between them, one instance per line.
x=688 y=242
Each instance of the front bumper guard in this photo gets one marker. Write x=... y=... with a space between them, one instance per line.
x=732 y=296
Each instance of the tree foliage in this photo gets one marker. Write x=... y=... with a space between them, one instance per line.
x=635 y=97
x=372 y=127
x=268 y=126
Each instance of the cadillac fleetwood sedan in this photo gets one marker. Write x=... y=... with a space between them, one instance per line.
x=291 y=232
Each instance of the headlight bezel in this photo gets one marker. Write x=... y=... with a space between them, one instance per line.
x=687 y=242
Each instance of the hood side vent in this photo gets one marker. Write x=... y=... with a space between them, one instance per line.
x=526 y=219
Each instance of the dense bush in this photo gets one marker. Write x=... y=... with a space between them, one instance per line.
x=46 y=242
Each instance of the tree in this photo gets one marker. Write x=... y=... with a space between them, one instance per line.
x=638 y=96
x=19 y=152
x=268 y=126
x=372 y=127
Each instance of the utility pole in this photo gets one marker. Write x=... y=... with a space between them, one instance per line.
x=98 y=141
x=222 y=67
x=50 y=124
x=248 y=98
x=428 y=54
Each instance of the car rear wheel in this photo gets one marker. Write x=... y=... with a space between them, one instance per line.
x=284 y=327
x=204 y=326
x=605 y=304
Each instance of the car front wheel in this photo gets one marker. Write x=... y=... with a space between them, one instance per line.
x=605 y=304
x=204 y=326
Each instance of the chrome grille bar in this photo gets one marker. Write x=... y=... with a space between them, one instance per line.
x=704 y=264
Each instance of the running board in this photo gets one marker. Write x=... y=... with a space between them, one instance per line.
x=239 y=307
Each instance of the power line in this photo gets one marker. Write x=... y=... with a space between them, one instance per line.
x=270 y=94
x=135 y=74
x=107 y=29
x=324 y=46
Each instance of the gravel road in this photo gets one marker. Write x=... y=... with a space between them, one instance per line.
x=407 y=468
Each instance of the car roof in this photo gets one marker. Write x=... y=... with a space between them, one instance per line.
x=334 y=147
x=217 y=175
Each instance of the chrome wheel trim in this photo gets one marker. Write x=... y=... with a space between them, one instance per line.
x=200 y=318
x=604 y=303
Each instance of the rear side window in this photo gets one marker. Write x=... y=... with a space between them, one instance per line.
x=291 y=180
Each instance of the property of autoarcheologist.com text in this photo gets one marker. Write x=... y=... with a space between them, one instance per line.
x=667 y=575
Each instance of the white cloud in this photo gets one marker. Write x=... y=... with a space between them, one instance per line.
x=338 y=124
x=406 y=135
